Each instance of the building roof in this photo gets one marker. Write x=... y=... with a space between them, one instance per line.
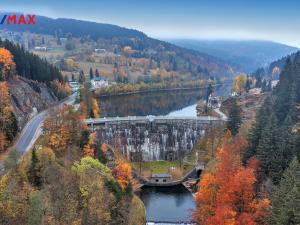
x=161 y=175
x=99 y=78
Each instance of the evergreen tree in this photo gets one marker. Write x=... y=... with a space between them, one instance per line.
x=264 y=86
x=36 y=209
x=11 y=161
x=286 y=198
x=268 y=151
x=209 y=91
x=91 y=74
x=269 y=87
x=31 y=66
x=258 y=82
x=97 y=73
x=247 y=84
x=34 y=170
x=255 y=132
x=287 y=142
x=234 y=119
x=81 y=78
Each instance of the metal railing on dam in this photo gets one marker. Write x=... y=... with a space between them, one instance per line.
x=155 y=119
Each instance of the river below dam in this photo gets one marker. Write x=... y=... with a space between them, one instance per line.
x=168 y=204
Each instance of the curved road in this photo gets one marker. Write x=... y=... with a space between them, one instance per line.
x=33 y=128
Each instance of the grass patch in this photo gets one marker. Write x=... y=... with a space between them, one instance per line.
x=156 y=166
x=170 y=167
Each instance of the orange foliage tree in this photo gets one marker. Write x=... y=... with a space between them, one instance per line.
x=226 y=193
x=3 y=141
x=8 y=124
x=6 y=63
x=88 y=149
x=61 y=90
x=123 y=173
x=104 y=148
x=63 y=128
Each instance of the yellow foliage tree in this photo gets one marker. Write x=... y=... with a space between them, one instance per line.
x=239 y=83
x=96 y=108
x=88 y=149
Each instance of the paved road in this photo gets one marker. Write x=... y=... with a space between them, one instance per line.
x=33 y=128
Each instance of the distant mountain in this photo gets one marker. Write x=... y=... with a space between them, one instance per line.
x=188 y=63
x=247 y=56
x=78 y=28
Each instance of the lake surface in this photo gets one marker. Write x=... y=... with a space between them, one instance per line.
x=171 y=204
x=173 y=103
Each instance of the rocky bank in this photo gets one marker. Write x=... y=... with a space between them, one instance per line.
x=29 y=97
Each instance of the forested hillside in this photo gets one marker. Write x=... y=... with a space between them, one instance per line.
x=273 y=70
x=66 y=180
x=253 y=176
x=27 y=95
x=162 y=56
x=31 y=66
x=78 y=28
x=274 y=140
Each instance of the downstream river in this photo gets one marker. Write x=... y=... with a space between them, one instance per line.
x=163 y=204
x=168 y=204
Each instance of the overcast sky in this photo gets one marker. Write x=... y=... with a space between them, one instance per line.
x=276 y=20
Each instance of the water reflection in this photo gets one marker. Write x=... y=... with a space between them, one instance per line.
x=175 y=103
x=152 y=103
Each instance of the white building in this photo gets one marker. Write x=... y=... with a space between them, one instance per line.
x=74 y=85
x=99 y=50
x=99 y=82
x=40 y=48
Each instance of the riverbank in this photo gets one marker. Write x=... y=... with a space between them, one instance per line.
x=109 y=91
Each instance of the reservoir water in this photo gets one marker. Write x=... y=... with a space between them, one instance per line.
x=174 y=103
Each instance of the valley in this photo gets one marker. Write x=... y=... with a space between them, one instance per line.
x=103 y=124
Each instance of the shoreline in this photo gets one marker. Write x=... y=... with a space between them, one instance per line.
x=155 y=90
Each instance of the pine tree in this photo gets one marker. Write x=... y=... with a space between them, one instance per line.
x=34 y=170
x=286 y=142
x=97 y=73
x=91 y=74
x=234 y=119
x=81 y=78
x=286 y=198
x=36 y=209
x=209 y=91
x=255 y=132
x=264 y=86
x=268 y=150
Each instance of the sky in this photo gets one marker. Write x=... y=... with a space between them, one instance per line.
x=275 y=20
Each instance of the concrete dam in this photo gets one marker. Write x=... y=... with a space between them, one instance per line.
x=153 y=138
